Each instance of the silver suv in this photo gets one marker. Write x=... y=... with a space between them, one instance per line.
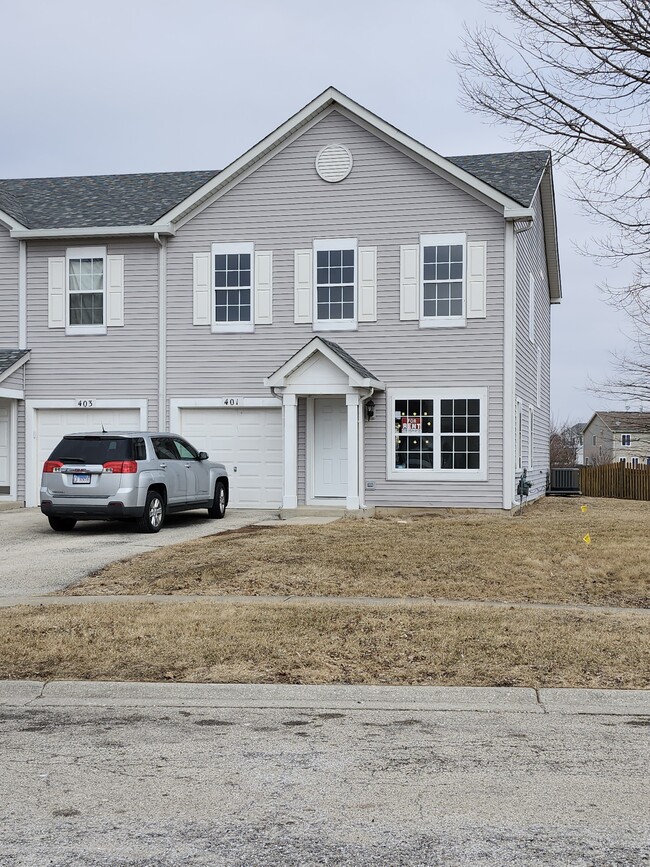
x=124 y=475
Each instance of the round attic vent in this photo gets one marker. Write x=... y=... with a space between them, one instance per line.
x=334 y=163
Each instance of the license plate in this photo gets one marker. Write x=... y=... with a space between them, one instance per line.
x=81 y=479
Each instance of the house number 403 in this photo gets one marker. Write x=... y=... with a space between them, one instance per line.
x=231 y=401
x=85 y=404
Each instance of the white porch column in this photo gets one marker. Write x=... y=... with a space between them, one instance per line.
x=352 y=499
x=290 y=445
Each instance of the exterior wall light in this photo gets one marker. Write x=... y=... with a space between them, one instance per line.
x=370 y=409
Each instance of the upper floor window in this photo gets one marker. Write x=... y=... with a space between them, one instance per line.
x=335 y=284
x=86 y=285
x=442 y=279
x=233 y=287
x=626 y=439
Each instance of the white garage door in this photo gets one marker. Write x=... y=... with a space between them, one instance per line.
x=53 y=424
x=249 y=440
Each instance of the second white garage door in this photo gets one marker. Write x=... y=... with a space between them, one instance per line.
x=249 y=440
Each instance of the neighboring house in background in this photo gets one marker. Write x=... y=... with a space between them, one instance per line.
x=577 y=433
x=613 y=437
x=342 y=316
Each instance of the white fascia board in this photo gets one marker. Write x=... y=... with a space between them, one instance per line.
x=12 y=393
x=93 y=232
x=14 y=367
x=279 y=378
x=549 y=216
x=333 y=98
x=11 y=223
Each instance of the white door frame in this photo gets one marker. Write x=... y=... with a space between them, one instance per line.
x=13 y=449
x=32 y=471
x=354 y=442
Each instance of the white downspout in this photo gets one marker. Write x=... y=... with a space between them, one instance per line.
x=162 y=331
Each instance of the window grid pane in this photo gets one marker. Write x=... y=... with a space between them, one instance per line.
x=443 y=280
x=232 y=282
x=414 y=434
x=460 y=441
x=335 y=284
x=86 y=291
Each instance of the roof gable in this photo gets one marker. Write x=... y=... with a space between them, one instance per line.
x=356 y=374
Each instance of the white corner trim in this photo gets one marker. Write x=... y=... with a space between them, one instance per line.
x=22 y=295
x=509 y=324
x=32 y=471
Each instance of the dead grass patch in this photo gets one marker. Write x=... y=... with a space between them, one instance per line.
x=427 y=644
x=539 y=556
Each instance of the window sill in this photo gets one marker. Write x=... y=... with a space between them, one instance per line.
x=233 y=328
x=335 y=325
x=84 y=330
x=437 y=475
x=443 y=322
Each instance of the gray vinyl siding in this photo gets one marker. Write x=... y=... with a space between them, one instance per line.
x=21 y=452
x=122 y=364
x=16 y=381
x=387 y=201
x=8 y=290
x=531 y=259
x=603 y=450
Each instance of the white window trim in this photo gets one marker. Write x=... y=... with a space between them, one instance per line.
x=335 y=324
x=531 y=442
x=436 y=394
x=232 y=327
x=429 y=240
x=626 y=445
x=84 y=253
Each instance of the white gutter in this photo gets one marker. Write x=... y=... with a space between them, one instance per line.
x=162 y=331
x=22 y=295
x=93 y=231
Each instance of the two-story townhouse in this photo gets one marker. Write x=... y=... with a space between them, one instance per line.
x=342 y=315
x=617 y=437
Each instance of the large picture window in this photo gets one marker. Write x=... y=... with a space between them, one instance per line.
x=437 y=433
x=232 y=269
x=335 y=283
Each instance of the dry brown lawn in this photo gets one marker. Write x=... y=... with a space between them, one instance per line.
x=427 y=644
x=538 y=556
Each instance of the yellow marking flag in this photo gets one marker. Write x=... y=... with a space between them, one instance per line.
x=583 y=509
x=587 y=539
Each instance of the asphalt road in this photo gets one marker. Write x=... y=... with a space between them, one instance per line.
x=36 y=560
x=197 y=786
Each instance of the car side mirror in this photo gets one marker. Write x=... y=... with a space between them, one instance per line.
x=203 y=456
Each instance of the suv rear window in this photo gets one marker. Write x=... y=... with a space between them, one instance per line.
x=93 y=450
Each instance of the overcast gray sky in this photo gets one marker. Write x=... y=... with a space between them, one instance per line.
x=154 y=85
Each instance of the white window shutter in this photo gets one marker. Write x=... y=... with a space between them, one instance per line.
x=409 y=281
x=263 y=306
x=56 y=293
x=367 y=257
x=476 y=279
x=202 y=289
x=303 y=286
x=115 y=291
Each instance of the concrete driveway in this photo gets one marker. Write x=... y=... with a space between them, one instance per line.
x=35 y=560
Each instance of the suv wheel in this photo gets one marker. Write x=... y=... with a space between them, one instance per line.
x=218 y=507
x=154 y=513
x=62 y=525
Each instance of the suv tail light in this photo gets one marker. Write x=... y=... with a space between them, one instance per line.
x=52 y=467
x=121 y=467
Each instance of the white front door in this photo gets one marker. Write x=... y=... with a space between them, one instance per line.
x=330 y=447
x=5 y=447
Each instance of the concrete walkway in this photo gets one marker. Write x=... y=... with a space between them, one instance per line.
x=343 y=601
x=43 y=694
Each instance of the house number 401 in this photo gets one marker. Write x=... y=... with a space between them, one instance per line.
x=231 y=401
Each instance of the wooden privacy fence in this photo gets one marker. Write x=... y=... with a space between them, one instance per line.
x=616 y=480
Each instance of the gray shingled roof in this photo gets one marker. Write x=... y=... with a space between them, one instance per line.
x=98 y=200
x=352 y=362
x=627 y=422
x=8 y=357
x=132 y=200
x=516 y=174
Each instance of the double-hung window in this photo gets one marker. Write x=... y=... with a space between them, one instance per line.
x=626 y=439
x=232 y=274
x=335 y=282
x=86 y=290
x=442 y=278
x=437 y=434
